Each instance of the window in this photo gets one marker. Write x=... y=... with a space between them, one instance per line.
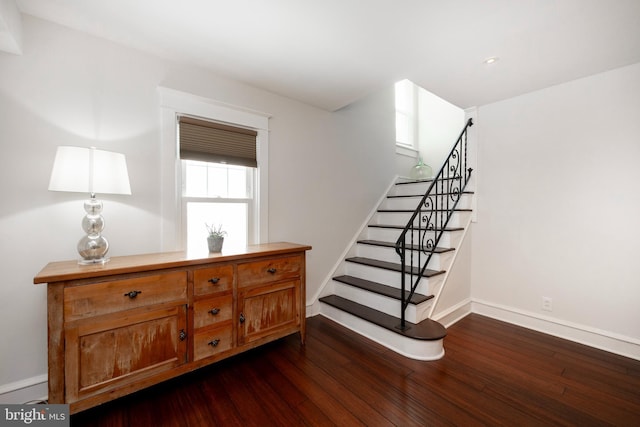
x=217 y=163
x=229 y=188
x=406 y=114
x=217 y=194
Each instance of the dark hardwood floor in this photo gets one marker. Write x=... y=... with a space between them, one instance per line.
x=493 y=373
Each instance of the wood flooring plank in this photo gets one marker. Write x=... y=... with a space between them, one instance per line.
x=247 y=405
x=493 y=373
x=604 y=410
x=278 y=410
x=550 y=411
x=612 y=383
x=511 y=369
x=332 y=407
x=313 y=368
x=470 y=399
x=374 y=389
x=214 y=396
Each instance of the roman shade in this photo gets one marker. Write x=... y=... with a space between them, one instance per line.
x=217 y=143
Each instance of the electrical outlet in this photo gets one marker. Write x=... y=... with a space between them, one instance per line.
x=547 y=304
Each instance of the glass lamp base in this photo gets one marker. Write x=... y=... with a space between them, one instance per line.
x=93 y=247
x=98 y=261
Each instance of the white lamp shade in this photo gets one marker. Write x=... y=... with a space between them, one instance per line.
x=88 y=170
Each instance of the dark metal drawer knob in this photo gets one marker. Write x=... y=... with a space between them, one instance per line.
x=272 y=270
x=214 y=280
x=214 y=311
x=132 y=294
x=214 y=343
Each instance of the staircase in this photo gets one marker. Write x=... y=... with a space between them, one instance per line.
x=367 y=287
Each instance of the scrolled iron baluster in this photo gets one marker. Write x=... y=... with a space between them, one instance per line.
x=428 y=203
x=432 y=215
x=454 y=195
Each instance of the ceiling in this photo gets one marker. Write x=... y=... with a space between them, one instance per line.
x=330 y=53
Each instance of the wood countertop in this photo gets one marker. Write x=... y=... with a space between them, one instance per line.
x=71 y=270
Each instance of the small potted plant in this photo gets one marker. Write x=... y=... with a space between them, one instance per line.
x=215 y=238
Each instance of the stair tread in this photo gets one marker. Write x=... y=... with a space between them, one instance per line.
x=420 y=195
x=381 y=289
x=423 y=210
x=437 y=250
x=401 y=227
x=393 y=266
x=427 y=330
x=420 y=181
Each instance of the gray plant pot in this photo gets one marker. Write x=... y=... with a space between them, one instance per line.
x=215 y=243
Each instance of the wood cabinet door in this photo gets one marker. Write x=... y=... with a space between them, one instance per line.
x=268 y=310
x=114 y=350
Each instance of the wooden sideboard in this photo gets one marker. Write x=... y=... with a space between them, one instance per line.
x=138 y=320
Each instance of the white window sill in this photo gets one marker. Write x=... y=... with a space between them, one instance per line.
x=403 y=150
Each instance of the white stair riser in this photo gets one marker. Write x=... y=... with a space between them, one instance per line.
x=449 y=239
x=391 y=306
x=412 y=189
x=439 y=261
x=402 y=218
x=415 y=349
x=391 y=278
x=411 y=203
x=383 y=234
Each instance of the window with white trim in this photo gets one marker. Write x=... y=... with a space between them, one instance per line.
x=209 y=189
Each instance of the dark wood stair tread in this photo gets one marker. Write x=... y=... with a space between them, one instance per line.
x=427 y=330
x=401 y=227
x=410 y=247
x=422 y=181
x=423 y=210
x=394 y=196
x=381 y=289
x=392 y=266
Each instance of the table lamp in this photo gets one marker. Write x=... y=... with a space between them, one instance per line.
x=88 y=170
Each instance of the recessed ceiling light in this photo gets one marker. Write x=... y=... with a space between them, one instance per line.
x=491 y=60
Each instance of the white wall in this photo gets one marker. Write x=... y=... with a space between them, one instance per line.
x=558 y=209
x=456 y=294
x=69 y=88
x=440 y=124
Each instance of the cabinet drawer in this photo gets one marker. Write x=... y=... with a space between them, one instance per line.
x=212 y=280
x=270 y=270
x=210 y=342
x=109 y=297
x=212 y=311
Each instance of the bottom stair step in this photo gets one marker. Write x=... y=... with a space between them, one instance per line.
x=427 y=330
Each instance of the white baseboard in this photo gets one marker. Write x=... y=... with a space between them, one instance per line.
x=23 y=391
x=603 y=340
x=451 y=315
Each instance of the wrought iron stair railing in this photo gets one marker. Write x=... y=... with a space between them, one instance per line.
x=423 y=231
